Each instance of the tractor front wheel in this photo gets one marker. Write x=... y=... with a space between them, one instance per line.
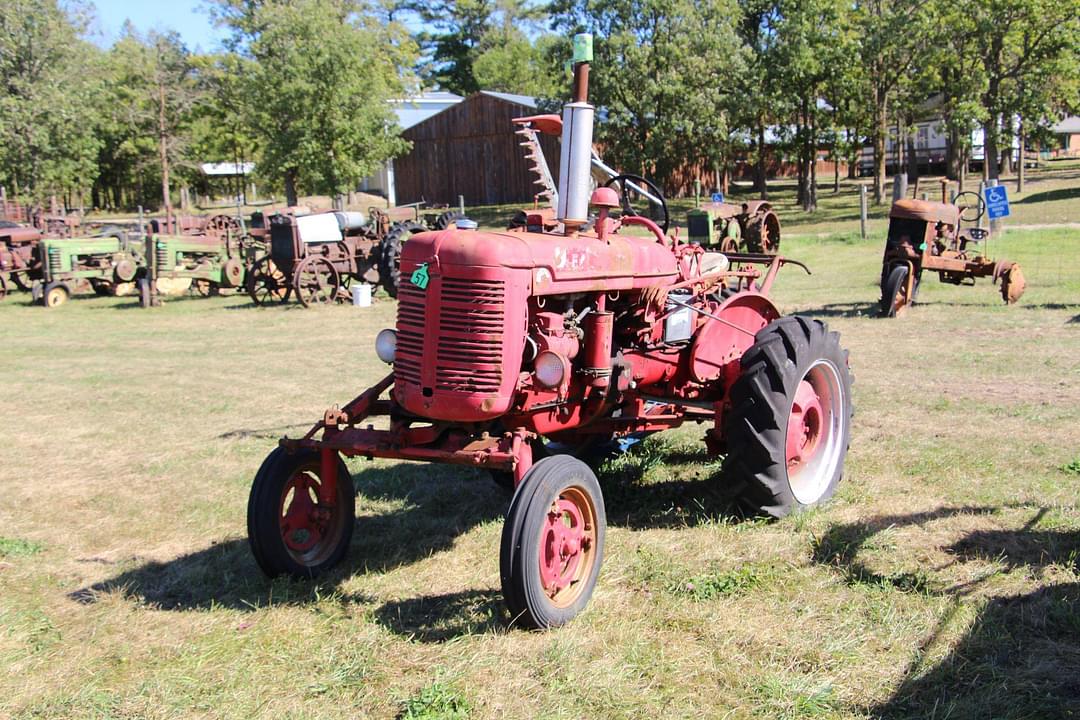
x=552 y=543
x=789 y=424
x=266 y=284
x=296 y=526
x=316 y=282
x=54 y=295
x=895 y=299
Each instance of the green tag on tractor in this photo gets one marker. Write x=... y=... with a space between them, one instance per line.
x=419 y=277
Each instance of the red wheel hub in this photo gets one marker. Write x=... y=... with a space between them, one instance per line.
x=303 y=519
x=565 y=537
x=804 y=425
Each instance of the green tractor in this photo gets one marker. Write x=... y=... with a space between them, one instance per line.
x=110 y=263
x=751 y=227
x=211 y=263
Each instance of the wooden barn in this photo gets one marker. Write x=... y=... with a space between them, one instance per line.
x=470 y=149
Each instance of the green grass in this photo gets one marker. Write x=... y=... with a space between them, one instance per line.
x=942 y=581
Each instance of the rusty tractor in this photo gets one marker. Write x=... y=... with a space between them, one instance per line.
x=315 y=256
x=513 y=350
x=19 y=261
x=926 y=235
x=752 y=227
x=110 y=262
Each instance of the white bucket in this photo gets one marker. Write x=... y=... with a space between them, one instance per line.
x=361 y=295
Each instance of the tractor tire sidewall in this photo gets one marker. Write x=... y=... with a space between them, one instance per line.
x=890 y=285
x=390 y=255
x=519 y=560
x=264 y=531
x=772 y=369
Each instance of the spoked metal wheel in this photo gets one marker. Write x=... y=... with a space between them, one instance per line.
x=3 y=287
x=553 y=543
x=316 y=282
x=266 y=284
x=299 y=523
x=788 y=429
x=22 y=280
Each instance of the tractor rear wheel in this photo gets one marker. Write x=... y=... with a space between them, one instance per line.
x=291 y=530
x=316 y=282
x=22 y=280
x=3 y=287
x=552 y=543
x=789 y=424
x=390 y=254
x=54 y=295
x=446 y=219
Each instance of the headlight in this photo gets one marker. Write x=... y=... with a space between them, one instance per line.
x=386 y=345
x=551 y=369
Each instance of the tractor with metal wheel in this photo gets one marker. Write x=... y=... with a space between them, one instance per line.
x=19 y=261
x=926 y=235
x=315 y=256
x=513 y=347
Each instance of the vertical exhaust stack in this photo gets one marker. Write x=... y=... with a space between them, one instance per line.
x=575 y=159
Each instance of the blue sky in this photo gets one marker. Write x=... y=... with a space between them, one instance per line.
x=188 y=17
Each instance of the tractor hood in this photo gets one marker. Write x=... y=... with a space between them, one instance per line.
x=557 y=263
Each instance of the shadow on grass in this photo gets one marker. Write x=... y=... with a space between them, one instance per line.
x=1069 y=193
x=1020 y=656
x=431 y=512
x=438 y=618
x=845 y=310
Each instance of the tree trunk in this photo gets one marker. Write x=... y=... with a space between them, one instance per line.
x=163 y=151
x=290 y=187
x=881 y=130
x=990 y=149
x=1020 y=159
x=760 y=182
x=953 y=155
x=854 y=153
x=912 y=160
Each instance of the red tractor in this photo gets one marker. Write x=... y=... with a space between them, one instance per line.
x=513 y=347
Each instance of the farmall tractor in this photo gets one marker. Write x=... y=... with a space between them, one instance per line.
x=511 y=347
x=925 y=235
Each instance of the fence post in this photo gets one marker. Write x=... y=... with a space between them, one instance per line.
x=461 y=204
x=944 y=190
x=862 y=210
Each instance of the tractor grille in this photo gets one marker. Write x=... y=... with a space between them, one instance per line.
x=410 y=333
x=468 y=353
x=161 y=251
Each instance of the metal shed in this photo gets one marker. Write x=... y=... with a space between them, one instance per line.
x=470 y=149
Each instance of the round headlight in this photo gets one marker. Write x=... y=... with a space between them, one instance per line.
x=386 y=345
x=551 y=369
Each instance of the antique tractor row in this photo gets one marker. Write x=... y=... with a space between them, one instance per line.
x=513 y=350
x=925 y=235
x=315 y=257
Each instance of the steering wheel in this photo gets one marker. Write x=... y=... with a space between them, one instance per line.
x=970 y=210
x=626 y=182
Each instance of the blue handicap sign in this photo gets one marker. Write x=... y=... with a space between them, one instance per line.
x=997 y=202
x=718 y=197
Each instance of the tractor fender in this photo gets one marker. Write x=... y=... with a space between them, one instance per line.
x=721 y=340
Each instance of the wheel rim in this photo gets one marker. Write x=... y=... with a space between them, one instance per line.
x=900 y=299
x=567 y=546
x=309 y=529
x=317 y=282
x=55 y=297
x=815 y=431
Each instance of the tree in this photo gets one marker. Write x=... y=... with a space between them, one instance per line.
x=664 y=75
x=317 y=80
x=894 y=36
x=482 y=45
x=47 y=143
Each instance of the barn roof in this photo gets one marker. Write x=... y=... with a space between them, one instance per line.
x=511 y=98
x=1067 y=126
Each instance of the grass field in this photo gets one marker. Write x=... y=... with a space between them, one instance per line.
x=943 y=581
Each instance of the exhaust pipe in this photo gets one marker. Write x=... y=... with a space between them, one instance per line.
x=575 y=159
